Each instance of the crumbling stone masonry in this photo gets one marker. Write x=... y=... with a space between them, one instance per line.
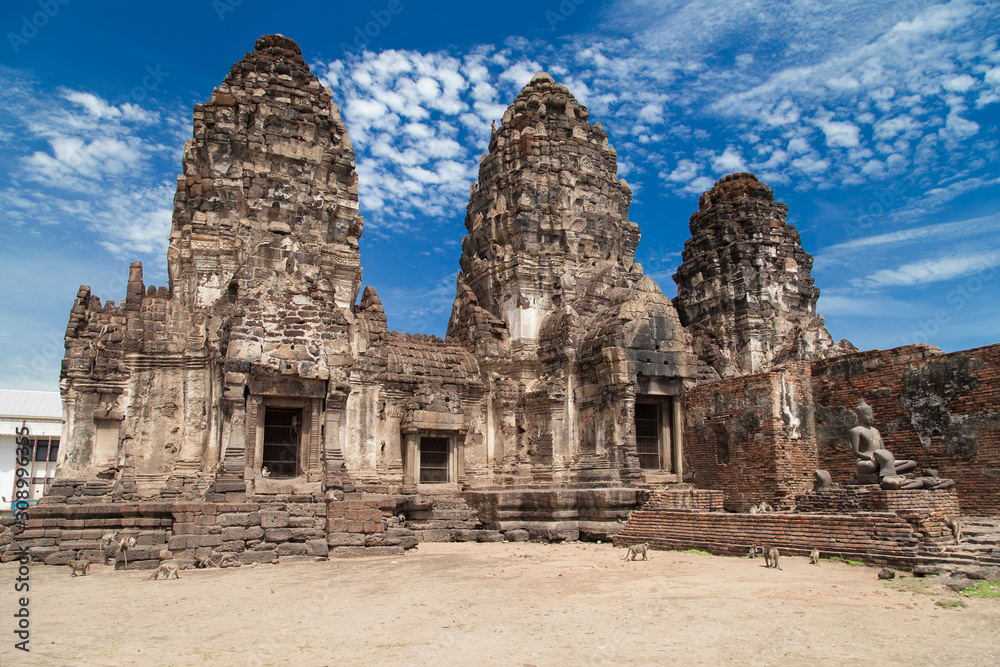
x=257 y=406
x=744 y=289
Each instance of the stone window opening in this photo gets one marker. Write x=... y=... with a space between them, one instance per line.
x=657 y=437
x=435 y=460
x=647 y=435
x=281 y=441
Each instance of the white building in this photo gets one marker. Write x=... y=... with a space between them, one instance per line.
x=42 y=413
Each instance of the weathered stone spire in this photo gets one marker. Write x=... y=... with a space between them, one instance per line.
x=270 y=162
x=548 y=212
x=744 y=289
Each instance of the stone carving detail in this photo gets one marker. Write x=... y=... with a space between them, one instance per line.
x=744 y=289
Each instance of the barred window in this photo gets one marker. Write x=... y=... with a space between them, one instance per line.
x=281 y=441
x=433 y=460
x=647 y=435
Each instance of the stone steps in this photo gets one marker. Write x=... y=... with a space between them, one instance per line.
x=980 y=544
x=441 y=519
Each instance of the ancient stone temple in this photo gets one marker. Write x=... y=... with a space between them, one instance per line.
x=259 y=405
x=259 y=363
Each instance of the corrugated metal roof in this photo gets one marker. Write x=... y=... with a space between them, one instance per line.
x=30 y=404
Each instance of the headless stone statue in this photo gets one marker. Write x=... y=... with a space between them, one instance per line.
x=876 y=464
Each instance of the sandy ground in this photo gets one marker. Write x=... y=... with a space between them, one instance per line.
x=496 y=604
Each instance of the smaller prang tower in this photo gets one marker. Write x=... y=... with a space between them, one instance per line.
x=744 y=289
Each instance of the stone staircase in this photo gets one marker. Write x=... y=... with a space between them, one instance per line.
x=980 y=545
x=445 y=518
x=79 y=492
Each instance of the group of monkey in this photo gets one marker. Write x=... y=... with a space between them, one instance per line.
x=171 y=568
x=80 y=564
x=771 y=554
x=167 y=569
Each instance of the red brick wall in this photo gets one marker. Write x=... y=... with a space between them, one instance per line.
x=737 y=439
x=901 y=528
x=951 y=400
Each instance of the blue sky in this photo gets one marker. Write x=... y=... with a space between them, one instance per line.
x=876 y=122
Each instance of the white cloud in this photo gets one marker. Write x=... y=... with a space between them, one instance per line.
x=684 y=171
x=730 y=161
x=941 y=231
x=94 y=166
x=934 y=270
x=94 y=105
x=840 y=133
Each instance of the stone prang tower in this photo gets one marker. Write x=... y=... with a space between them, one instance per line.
x=562 y=320
x=744 y=290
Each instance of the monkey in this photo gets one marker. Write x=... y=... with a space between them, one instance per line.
x=771 y=557
x=168 y=569
x=106 y=541
x=814 y=557
x=229 y=560
x=955 y=524
x=124 y=544
x=264 y=472
x=754 y=550
x=637 y=549
x=202 y=561
x=79 y=564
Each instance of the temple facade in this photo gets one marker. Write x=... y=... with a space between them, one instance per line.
x=260 y=405
x=564 y=366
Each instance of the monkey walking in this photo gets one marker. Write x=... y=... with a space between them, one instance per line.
x=168 y=569
x=79 y=564
x=955 y=524
x=637 y=549
x=124 y=544
x=814 y=557
x=771 y=557
x=106 y=541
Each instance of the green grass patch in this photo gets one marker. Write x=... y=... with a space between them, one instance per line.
x=983 y=589
x=949 y=604
x=697 y=551
x=838 y=559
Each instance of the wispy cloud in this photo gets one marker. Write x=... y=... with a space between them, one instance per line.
x=934 y=269
x=943 y=231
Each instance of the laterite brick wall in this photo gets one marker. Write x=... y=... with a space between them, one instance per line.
x=941 y=410
x=739 y=437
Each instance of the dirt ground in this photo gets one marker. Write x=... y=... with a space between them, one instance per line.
x=497 y=604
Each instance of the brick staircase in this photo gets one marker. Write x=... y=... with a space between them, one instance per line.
x=980 y=545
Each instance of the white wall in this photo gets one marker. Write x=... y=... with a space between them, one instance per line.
x=8 y=451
